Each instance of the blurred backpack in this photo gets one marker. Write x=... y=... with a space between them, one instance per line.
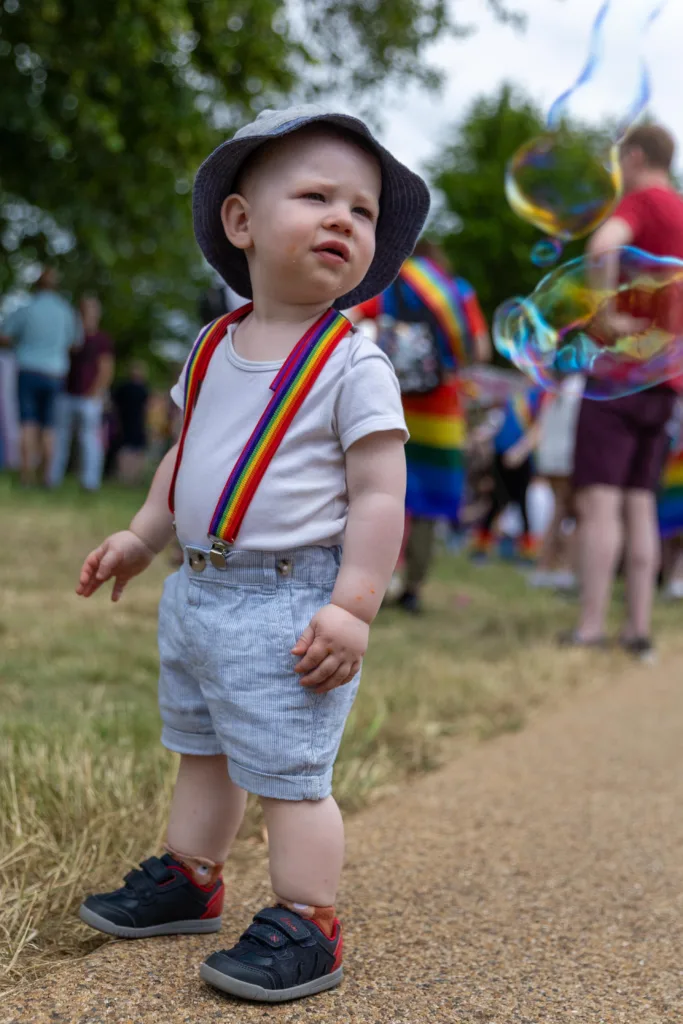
x=409 y=340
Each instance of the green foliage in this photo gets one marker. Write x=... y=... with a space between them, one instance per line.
x=490 y=245
x=106 y=110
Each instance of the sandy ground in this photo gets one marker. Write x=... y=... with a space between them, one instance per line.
x=537 y=879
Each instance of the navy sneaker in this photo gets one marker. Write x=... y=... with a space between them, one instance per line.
x=158 y=899
x=281 y=956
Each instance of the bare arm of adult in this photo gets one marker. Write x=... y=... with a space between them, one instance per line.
x=336 y=639
x=603 y=247
x=482 y=347
x=127 y=553
x=521 y=451
x=105 y=374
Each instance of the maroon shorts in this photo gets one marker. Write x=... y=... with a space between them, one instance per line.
x=623 y=442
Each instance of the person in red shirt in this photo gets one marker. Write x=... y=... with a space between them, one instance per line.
x=80 y=407
x=621 y=444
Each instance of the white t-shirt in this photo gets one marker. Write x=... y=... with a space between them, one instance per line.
x=302 y=498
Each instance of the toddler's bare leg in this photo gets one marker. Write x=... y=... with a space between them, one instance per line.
x=206 y=810
x=306 y=840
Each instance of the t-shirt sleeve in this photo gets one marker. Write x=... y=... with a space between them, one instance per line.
x=178 y=389
x=632 y=210
x=369 y=399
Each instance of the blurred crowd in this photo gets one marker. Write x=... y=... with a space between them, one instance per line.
x=66 y=402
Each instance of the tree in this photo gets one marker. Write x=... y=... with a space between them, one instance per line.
x=106 y=110
x=489 y=244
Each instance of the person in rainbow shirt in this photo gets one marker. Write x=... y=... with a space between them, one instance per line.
x=436 y=421
x=515 y=431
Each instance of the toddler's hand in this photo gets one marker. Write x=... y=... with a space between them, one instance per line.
x=331 y=648
x=123 y=555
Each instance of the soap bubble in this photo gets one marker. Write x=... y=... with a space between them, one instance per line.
x=546 y=253
x=624 y=338
x=567 y=182
x=560 y=183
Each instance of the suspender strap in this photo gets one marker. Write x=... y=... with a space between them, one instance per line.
x=290 y=387
x=293 y=382
x=197 y=365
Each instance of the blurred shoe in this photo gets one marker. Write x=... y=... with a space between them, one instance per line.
x=570 y=638
x=565 y=580
x=482 y=546
x=641 y=648
x=410 y=602
x=552 y=579
x=674 y=590
x=542 y=578
x=526 y=548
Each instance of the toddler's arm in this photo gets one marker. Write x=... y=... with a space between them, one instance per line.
x=129 y=552
x=334 y=643
x=376 y=482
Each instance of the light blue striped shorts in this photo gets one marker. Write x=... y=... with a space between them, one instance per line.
x=227 y=683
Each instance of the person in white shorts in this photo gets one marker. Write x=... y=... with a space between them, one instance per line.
x=555 y=463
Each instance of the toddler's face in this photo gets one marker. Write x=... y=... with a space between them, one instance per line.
x=312 y=203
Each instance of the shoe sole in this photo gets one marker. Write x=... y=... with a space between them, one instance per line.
x=122 y=931
x=242 y=989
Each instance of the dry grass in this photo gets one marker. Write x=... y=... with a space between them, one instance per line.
x=84 y=783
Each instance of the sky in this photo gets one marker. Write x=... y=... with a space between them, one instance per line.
x=543 y=61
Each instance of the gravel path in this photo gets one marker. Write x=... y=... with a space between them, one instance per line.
x=537 y=879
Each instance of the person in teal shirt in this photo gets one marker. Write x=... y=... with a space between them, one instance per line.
x=42 y=334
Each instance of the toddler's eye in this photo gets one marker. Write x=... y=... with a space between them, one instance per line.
x=364 y=212
x=317 y=196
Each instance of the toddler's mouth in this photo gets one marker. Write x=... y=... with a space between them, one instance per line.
x=333 y=252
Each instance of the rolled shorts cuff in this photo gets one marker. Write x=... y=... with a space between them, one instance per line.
x=198 y=743
x=281 y=787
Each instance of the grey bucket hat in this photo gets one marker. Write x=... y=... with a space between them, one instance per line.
x=404 y=202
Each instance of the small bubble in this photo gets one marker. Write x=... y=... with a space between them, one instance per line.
x=546 y=253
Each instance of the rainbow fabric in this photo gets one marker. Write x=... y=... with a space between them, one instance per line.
x=290 y=387
x=434 y=453
x=437 y=291
x=670 y=497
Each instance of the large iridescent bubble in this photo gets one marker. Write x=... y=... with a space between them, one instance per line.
x=567 y=182
x=562 y=184
x=624 y=339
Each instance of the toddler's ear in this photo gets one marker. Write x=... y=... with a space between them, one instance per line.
x=235 y=218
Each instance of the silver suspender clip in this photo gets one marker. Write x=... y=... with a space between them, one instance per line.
x=218 y=554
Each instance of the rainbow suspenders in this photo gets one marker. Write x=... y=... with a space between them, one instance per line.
x=293 y=382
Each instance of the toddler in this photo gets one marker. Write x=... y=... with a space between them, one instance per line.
x=292 y=443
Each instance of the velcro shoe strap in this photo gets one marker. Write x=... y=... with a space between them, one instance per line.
x=291 y=924
x=270 y=936
x=157 y=870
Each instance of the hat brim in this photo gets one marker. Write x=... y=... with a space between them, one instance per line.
x=404 y=205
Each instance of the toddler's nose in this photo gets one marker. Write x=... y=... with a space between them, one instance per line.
x=338 y=218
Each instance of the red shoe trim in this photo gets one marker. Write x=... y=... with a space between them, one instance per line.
x=340 y=945
x=214 y=907
x=181 y=869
